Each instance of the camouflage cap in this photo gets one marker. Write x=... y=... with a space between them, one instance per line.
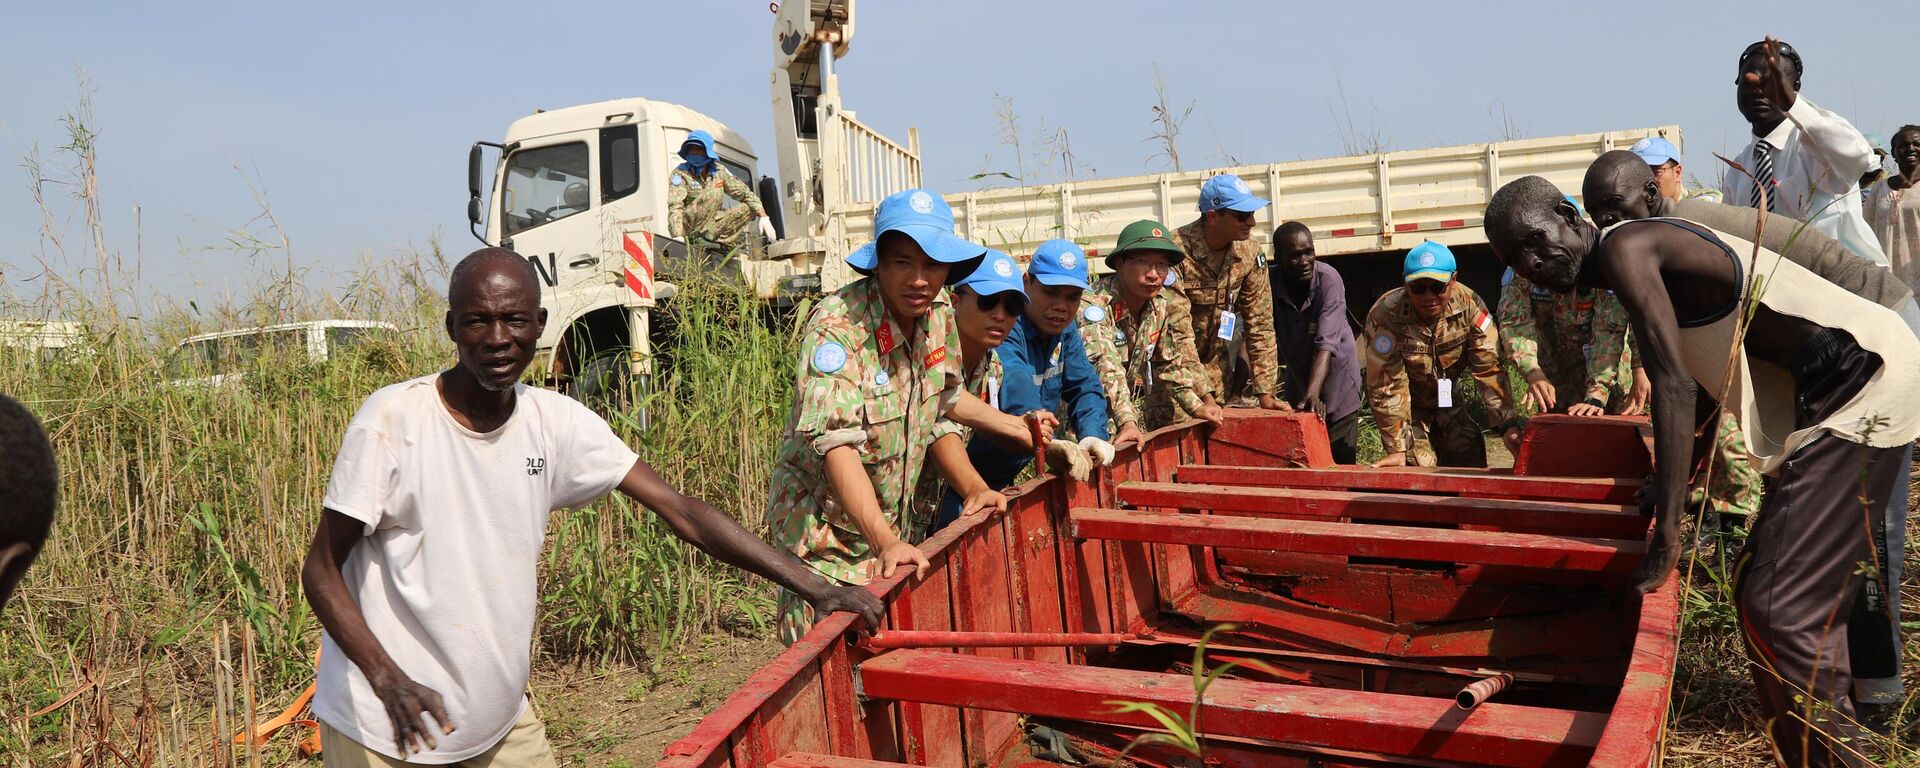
x=1145 y=235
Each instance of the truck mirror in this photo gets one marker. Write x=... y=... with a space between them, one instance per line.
x=473 y=172
x=474 y=207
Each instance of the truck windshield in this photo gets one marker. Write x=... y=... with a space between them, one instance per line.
x=544 y=184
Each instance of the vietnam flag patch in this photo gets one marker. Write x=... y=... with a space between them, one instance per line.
x=936 y=357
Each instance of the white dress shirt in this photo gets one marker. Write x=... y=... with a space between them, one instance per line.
x=1818 y=158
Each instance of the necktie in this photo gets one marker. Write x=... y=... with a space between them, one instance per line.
x=1763 y=174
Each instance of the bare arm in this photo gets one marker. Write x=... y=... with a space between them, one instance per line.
x=1634 y=273
x=720 y=536
x=1316 y=381
x=406 y=701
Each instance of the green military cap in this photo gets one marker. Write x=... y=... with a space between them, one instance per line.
x=1145 y=235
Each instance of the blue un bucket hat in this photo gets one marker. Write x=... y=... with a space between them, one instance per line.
x=926 y=218
x=1059 y=262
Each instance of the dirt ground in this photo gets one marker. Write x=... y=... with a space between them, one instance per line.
x=623 y=716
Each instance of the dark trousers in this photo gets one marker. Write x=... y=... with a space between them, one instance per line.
x=1343 y=436
x=1799 y=579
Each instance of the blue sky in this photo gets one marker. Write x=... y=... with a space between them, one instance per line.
x=356 y=116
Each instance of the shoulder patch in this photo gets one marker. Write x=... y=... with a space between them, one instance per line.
x=1383 y=343
x=829 y=357
x=1093 y=313
x=676 y=180
x=1173 y=276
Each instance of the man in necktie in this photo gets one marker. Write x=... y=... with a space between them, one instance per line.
x=1804 y=162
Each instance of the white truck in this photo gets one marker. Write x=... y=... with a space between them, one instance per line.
x=581 y=192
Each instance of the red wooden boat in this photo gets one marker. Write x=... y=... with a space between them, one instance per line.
x=1375 y=599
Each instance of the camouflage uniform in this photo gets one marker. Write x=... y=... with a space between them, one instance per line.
x=1147 y=361
x=1231 y=279
x=864 y=384
x=1578 y=340
x=1734 y=487
x=983 y=381
x=694 y=206
x=1406 y=357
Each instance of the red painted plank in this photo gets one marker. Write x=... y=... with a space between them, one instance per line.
x=929 y=735
x=1269 y=438
x=1604 y=521
x=1383 y=541
x=1373 y=723
x=1480 y=483
x=1034 y=560
x=980 y=604
x=1584 y=446
x=813 y=760
x=1635 y=727
x=794 y=719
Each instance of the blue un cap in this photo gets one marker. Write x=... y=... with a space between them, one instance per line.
x=996 y=274
x=1059 y=262
x=1429 y=261
x=1228 y=191
x=926 y=218
x=1655 y=151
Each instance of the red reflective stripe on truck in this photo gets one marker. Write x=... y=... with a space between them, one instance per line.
x=1341 y=233
x=1405 y=227
x=637 y=263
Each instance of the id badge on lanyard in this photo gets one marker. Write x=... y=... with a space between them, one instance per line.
x=1445 y=393
x=1229 y=322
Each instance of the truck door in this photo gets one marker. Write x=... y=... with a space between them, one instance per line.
x=545 y=194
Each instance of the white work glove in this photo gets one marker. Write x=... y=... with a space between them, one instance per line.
x=766 y=229
x=1097 y=449
x=1063 y=457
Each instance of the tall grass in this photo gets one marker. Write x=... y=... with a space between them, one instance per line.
x=168 y=595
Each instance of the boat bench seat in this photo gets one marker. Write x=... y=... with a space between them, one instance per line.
x=1611 y=521
x=1461 y=481
x=1523 y=550
x=814 y=760
x=1424 y=727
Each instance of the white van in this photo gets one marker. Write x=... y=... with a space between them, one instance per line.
x=216 y=358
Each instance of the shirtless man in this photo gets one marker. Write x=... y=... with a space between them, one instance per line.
x=1827 y=385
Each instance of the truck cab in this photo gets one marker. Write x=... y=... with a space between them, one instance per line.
x=581 y=192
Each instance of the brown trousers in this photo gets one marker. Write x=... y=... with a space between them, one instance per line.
x=1800 y=575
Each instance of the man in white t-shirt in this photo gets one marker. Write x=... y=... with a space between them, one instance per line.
x=423 y=568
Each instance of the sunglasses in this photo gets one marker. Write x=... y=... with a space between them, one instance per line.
x=1240 y=216
x=1426 y=287
x=1016 y=303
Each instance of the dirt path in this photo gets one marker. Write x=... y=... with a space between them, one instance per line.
x=622 y=717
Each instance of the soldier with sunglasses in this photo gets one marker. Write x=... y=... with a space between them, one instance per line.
x=1140 y=336
x=1423 y=342
x=1225 y=279
x=986 y=305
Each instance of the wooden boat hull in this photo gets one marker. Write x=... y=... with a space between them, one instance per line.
x=1371 y=597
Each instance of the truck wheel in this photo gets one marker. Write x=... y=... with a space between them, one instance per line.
x=604 y=382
